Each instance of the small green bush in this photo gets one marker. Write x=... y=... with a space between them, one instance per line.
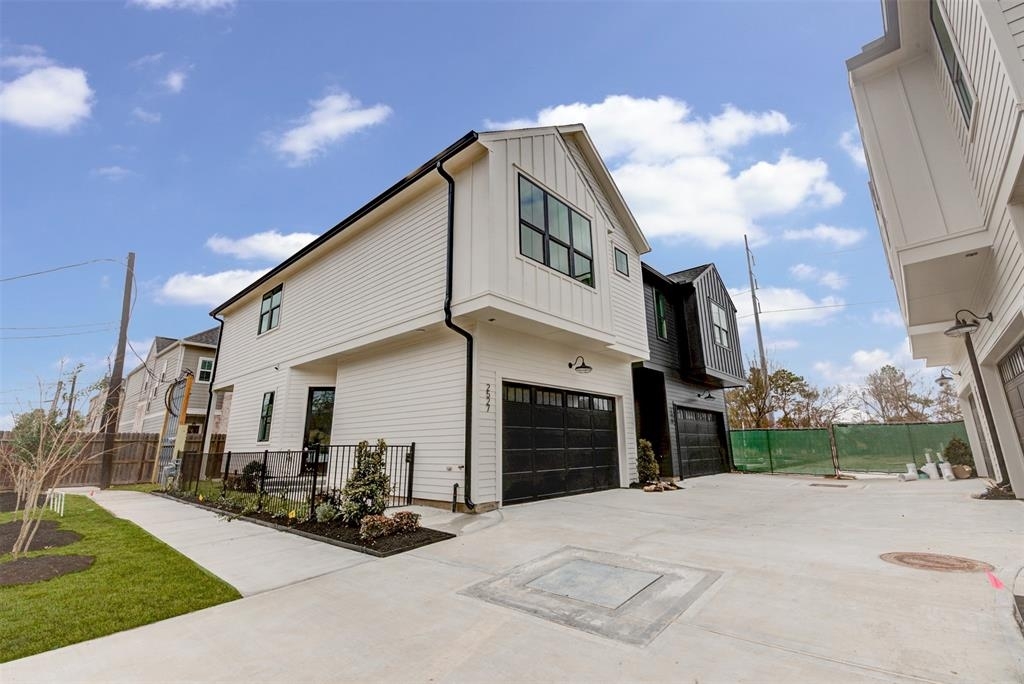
x=958 y=452
x=252 y=473
x=325 y=513
x=407 y=521
x=376 y=526
x=368 y=487
x=646 y=462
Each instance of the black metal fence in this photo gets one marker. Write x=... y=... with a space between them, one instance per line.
x=289 y=483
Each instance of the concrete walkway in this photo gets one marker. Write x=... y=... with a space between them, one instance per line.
x=799 y=595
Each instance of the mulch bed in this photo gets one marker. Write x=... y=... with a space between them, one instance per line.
x=7 y=500
x=997 y=493
x=41 y=568
x=47 y=536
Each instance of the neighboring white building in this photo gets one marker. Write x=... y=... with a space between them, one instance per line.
x=939 y=100
x=142 y=401
x=358 y=317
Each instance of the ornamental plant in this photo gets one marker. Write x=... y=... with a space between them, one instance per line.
x=407 y=521
x=646 y=463
x=376 y=526
x=366 y=492
x=958 y=452
x=326 y=512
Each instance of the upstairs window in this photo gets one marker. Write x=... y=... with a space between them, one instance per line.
x=719 y=325
x=956 y=74
x=621 y=262
x=552 y=233
x=270 y=310
x=266 y=415
x=205 y=370
x=661 y=315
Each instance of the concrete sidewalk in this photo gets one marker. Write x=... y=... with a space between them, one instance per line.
x=799 y=594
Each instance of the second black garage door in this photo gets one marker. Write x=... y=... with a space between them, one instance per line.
x=556 y=442
x=699 y=439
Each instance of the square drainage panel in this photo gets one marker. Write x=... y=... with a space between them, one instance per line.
x=625 y=598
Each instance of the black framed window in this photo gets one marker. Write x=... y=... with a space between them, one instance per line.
x=517 y=394
x=719 y=324
x=266 y=415
x=661 y=314
x=603 y=404
x=270 y=309
x=205 y=370
x=545 y=398
x=621 y=262
x=956 y=74
x=554 y=234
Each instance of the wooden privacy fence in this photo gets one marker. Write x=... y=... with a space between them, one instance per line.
x=135 y=456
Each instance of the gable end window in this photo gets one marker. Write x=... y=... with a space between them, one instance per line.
x=956 y=74
x=621 y=262
x=552 y=233
x=270 y=310
x=266 y=415
x=661 y=315
x=719 y=325
x=205 y=370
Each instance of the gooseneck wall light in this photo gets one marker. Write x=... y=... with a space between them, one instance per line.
x=963 y=327
x=945 y=377
x=579 y=365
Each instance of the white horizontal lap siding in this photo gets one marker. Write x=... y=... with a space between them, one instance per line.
x=290 y=408
x=508 y=356
x=200 y=396
x=247 y=402
x=364 y=281
x=545 y=160
x=404 y=392
x=1013 y=12
x=1004 y=285
x=132 y=392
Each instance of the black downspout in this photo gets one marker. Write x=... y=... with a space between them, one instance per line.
x=468 y=468
x=213 y=377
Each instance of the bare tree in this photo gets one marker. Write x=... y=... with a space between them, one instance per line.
x=947 y=405
x=890 y=395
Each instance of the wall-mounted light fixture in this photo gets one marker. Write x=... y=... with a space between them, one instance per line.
x=963 y=328
x=706 y=395
x=579 y=365
x=945 y=377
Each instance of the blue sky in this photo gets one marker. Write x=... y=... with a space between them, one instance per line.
x=214 y=137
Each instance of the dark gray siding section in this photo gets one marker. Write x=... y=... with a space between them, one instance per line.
x=681 y=393
x=663 y=352
x=718 y=360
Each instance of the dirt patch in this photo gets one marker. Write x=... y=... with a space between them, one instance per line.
x=392 y=543
x=7 y=500
x=48 y=536
x=41 y=568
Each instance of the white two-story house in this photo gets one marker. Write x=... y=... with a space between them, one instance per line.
x=488 y=307
x=940 y=100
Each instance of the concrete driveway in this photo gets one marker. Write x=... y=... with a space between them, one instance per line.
x=779 y=580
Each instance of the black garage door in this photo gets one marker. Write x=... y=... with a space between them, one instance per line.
x=1012 y=371
x=556 y=442
x=699 y=441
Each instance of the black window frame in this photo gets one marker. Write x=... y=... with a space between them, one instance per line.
x=719 y=328
x=267 y=314
x=948 y=52
x=660 y=315
x=548 y=238
x=625 y=261
x=266 y=417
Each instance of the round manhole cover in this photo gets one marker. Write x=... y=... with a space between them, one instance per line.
x=936 y=561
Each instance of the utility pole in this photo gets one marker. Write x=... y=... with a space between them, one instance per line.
x=757 y=308
x=110 y=406
x=71 y=395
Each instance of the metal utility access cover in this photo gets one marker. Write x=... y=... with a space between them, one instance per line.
x=935 y=561
x=603 y=585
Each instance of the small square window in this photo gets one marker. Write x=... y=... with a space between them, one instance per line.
x=621 y=262
x=205 y=370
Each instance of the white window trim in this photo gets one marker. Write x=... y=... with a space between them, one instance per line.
x=199 y=369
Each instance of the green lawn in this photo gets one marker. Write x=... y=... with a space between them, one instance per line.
x=145 y=487
x=136 y=579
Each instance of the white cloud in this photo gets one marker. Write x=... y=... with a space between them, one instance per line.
x=193 y=5
x=266 y=245
x=784 y=306
x=830 y=279
x=50 y=98
x=674 y=168
x=331 y=119
x=840 y=237
x=114 y=173
x=865 y=361
x=174 y=81
x=887 y=317
x=146 y=60
x=146 y=116
x=24 y=58
x=212 y=289
x=850 y=142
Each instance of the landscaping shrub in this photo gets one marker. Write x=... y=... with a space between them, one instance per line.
x=646 y=462
x=252 y=473
x=407 y=521
x=958 y=452
x=367 y=490
x=325 y=513
x=376 y=526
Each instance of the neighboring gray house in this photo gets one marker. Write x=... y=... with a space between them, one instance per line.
x=142 y=404
x=695 y=354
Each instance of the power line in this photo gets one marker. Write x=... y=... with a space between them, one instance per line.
x=57 y=268
x=40 y=337
x=62 y=327
x=822 y=306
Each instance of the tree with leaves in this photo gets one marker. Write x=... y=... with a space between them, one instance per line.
x=947 y=404
x=890 y=395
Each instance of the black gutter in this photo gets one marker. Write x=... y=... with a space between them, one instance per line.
x=445 y=154
x=468 y=467
x=213 y=377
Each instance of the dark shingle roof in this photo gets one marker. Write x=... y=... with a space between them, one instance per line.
x=689 y=275
x=205 y=337
x=163 y=343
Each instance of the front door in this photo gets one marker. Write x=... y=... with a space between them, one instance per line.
x=319 y=418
